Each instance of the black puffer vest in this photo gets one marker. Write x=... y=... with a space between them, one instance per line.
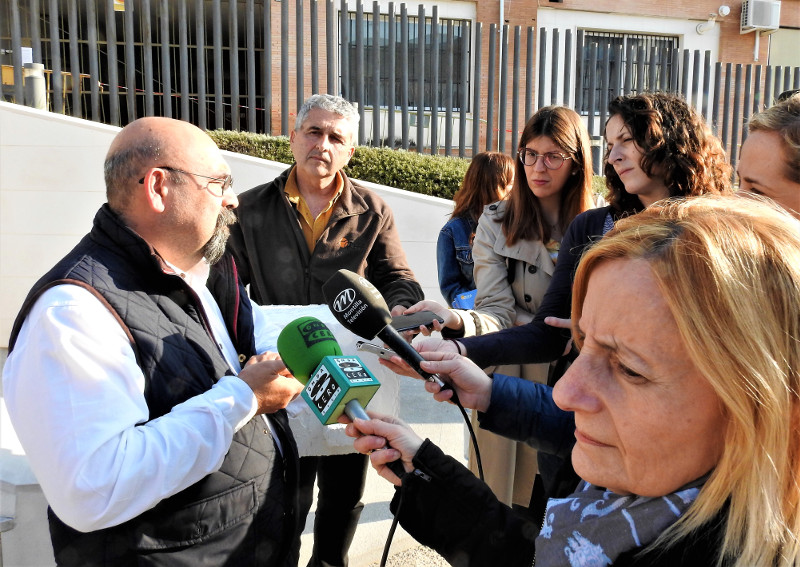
x=243 y=514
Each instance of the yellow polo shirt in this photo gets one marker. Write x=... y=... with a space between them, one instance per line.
x=312 y=227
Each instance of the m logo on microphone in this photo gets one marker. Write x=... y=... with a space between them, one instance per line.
x=344 y=299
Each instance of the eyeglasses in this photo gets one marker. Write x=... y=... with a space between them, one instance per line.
x=552 y=160
x=224 y=183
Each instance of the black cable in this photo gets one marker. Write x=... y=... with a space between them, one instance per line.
x=473 y=438
x=395 y=521
x=396 y=518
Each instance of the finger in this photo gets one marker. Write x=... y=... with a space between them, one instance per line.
x=558 y=322
x=437 y=326
x=439 y=355
x=367 y=444
x=449 y=363
x=383 y=455
x=377 y=417
x=379 y=460
x=424 y=331
x=409 y=335
x=415 y=308
x=399 y=366
x=444 y=396
x=379 y=425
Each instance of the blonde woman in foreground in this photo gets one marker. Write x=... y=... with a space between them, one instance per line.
x=686 y=410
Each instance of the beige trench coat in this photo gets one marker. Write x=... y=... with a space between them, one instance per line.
x=509 y=467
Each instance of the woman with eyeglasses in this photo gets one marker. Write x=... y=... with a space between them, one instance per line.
x=657 y=147
x=514 y=252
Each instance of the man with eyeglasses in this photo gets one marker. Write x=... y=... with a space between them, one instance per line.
x=137 y=381
x=293 y=234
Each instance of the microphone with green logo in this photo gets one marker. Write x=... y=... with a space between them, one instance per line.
x=334 y=383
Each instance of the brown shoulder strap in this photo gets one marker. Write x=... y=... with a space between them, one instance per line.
x=29 y=302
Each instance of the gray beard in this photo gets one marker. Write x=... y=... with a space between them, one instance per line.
x=215 y=247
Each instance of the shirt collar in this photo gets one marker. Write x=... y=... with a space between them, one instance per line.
x=292 y=191
x=195 y=276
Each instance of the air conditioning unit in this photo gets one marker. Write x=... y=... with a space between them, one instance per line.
x=760 y=15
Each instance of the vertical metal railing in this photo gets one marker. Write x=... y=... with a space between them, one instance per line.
x=421 y=82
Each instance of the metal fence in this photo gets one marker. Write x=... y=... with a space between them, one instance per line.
x=437 y=85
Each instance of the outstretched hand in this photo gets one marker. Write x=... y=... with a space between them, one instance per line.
x=467 y=379
x=432 y=344
x=451 y=320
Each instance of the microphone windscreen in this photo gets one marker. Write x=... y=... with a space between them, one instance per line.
x=356 y=303
x=303 y=343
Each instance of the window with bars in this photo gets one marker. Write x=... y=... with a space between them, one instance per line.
x=447 y=71
x=642 y=61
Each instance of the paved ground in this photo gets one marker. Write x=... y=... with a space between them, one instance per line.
x=443 y=424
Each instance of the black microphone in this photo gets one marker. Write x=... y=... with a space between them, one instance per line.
x=361 y=309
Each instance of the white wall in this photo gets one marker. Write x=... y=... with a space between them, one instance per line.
x=684 y=29
x=51 y=185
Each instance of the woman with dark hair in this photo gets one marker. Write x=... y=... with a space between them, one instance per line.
x=664 y=148
x=489 y=178
x=515 y=248
x=657 y=147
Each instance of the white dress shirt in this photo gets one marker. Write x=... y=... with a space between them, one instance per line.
x=74 y=393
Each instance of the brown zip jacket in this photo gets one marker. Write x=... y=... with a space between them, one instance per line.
x=361 y=236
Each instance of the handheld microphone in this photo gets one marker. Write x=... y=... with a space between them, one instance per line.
x=334 y=383
x=360 y=308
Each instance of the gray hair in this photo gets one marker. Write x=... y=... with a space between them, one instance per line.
x=331 y=103
x=122 y=169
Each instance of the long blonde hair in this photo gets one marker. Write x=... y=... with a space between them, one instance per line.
x=729 y=269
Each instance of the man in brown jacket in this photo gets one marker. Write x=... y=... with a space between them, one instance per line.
x=293 y=234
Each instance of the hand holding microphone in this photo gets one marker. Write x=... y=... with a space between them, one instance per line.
x=370 y=437
x=361 y=309
x=335 y=384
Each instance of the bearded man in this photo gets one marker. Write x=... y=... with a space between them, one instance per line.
x=135 y=380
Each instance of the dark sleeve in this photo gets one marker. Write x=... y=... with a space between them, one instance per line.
x=537 y=342
x=387 y=267
x=525 y=411
x=447 y=508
